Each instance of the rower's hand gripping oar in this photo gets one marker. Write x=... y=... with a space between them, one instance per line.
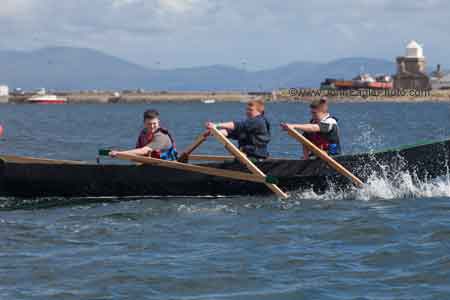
x=324 y=156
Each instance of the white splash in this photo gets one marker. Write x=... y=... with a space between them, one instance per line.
x=405 y=185
x=368 y=137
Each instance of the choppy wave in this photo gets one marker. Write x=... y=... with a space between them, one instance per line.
x=405 y=185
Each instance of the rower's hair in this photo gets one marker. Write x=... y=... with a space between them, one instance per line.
x=151 y=114
x=321 y=104
x=258 y=104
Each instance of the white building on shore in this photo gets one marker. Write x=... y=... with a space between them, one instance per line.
x=4 y=91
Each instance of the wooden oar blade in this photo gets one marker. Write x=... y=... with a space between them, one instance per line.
x=324 y=156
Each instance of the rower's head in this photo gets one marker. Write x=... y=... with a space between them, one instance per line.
x=255 y=108
x=319 y=108
x=151 y=120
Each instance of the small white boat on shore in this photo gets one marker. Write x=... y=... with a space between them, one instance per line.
x=47 y=99
x=209 y=101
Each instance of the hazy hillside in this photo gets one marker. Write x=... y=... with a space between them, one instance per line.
x=76 y=68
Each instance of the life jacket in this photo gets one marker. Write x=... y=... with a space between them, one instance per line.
x=146 y=137
x=327 y=141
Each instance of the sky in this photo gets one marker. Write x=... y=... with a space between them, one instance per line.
x=251 y=34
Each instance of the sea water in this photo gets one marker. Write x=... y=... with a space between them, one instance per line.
x=390 y=240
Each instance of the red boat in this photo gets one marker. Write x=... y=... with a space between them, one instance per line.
x=380 y=85
x=363 y=81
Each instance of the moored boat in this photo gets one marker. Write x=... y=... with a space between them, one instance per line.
x=380 y=85
x=47 y=99
x=362 y=81
x=209 y=101
x=344 y=84
x=32 y=177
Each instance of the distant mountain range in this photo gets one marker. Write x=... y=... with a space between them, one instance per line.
x=63 y=68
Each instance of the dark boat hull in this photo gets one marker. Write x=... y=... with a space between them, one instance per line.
x=47 y=179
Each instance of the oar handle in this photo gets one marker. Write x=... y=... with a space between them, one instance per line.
x=104 y=152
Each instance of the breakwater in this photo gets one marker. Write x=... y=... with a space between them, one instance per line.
x=114 y=97
x=296 y=95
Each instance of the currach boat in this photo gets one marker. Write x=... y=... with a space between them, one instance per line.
x=34 y=177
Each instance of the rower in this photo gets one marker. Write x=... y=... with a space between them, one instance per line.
x=322 y=131
x=252 y=134
x=153 y=141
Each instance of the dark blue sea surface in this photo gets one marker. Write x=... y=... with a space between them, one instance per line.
x=387 y=241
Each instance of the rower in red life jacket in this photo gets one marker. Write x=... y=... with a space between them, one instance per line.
x=322 y=131
x=153 y=140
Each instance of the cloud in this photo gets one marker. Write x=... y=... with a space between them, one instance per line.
x=176 y=6
x=121 y=3
x=9 y=8
x=198 y=32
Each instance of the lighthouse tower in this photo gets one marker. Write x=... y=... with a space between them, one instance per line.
x=411 y=69
x=414 y=50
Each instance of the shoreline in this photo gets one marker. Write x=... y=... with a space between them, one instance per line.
x=219 y=97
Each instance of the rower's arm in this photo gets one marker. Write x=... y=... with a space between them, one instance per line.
x=307 y=127
x=144 y=151
x=223 y=127
x=226 y=125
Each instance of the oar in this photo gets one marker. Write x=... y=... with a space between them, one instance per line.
x=247 y=162
x=193 y=168
x=207 y=157
x=33 y=160
x=324 y=156
x=184 y=157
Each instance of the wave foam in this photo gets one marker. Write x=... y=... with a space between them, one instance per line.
x=405 y=185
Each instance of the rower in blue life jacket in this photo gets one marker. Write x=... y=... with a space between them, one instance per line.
x=322 y=131
x=153 y=141
x=252 y=134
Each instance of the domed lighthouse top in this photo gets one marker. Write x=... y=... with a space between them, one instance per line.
x=413 y=49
